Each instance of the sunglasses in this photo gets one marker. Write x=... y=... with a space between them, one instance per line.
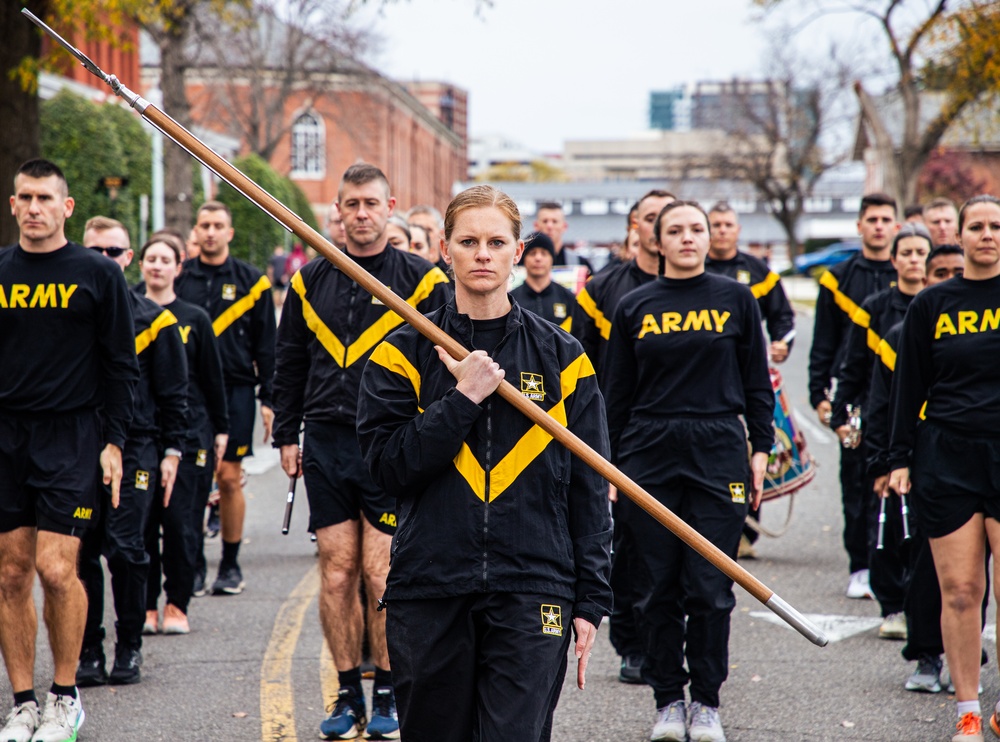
x=111 y=252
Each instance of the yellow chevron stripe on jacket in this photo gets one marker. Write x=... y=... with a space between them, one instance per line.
x=240 y=307
x=378 y=329
x=887 y=354
x=567 y=324
x=764 y=287
x=147 y=336
x=528 y=448
x=587 y=304
x=846 y=304
x=389 y=357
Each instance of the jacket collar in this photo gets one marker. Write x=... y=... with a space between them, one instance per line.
x=459 y=325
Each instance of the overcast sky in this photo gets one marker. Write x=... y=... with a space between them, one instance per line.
x=542 y=71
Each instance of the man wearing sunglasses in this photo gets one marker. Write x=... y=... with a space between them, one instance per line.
x=68 y=371
x=151 y=456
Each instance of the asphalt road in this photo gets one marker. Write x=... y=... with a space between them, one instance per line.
x=253 y=667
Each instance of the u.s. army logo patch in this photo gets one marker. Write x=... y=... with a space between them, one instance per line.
x=738 y=491
x=533 y=386
x=743 y=277
x=229 y=291
x=559 y=310
x=141 y=479
x=202 y=458
x=552 y=620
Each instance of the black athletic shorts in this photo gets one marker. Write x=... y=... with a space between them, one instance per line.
x=242 y=413
x=953 y=478
x=337 y=481
x=50 y=471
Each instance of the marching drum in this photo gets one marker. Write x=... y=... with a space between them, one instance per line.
x=789 y=466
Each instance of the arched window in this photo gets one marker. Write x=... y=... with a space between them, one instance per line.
x=308 y=146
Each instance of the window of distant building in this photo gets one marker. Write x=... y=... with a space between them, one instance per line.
x=308 y=146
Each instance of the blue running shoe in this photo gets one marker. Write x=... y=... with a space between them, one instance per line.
x=384 y=723
x=347 y=719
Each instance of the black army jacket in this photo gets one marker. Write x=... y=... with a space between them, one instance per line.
x=486 y=500
x=329 y=327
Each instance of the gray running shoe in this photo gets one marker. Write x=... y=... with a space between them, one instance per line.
x=21 y=723
x=927 y=677
x=704 y=724
x=61 y=720
x=671 y=724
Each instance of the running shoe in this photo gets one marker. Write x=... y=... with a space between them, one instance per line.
x=927 y=677
x=705 y=724
x=994 y=721
x=347 y=720
x=671 y=723
x=151 y=624
x=631 y=669
x=126 y=671
x=199 y=590
x=858 y=586
x=61 y=720
x=175 y=621
x=90 y=671
x=21 y=723
x=745 y=550
x=213 y=526
x=384 y=723
x=970 y=728
x=893 y=627
x=229 y=581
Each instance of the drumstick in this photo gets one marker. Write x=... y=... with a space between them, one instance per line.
x=906 y=517
x=881 y=523
x=288 y=505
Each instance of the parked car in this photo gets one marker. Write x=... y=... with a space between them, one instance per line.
x=816 y=263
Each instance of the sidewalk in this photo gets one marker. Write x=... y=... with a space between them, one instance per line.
x=800 y=288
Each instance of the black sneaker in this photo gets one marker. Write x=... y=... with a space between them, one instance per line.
x=128 y=660
x=212 y=527
x=229 y=581
x=199 y=589
x=631 y=670
x=91 y=671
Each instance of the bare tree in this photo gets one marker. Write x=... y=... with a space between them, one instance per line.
x=776 y=130
x=949 y=50
x=259 y=56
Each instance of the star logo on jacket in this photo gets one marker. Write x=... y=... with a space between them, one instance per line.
x=533 y=386
x=141 y=479
x=202 y=458
x=743 y=277
x=229 y=291
x=738 y=491
x=552 y=620
x=559 y=310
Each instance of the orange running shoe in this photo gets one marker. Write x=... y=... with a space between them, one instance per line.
x=970 y=728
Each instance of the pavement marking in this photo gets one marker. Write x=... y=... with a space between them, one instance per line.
x=277 y=699
x=836 y=628
x=328 y=677
x=815 y=431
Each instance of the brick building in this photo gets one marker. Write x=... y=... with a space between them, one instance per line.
x=336 y=112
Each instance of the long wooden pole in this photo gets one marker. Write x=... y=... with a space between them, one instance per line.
x=291 y=221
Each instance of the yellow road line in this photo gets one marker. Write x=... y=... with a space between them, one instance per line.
x=328 y=676
x=277 y=707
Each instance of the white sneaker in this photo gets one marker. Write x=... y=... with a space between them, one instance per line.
x=705 y=724
x=671 y=724
x=858 y=587
x=893 y=627
x=61 y=720
x=21 y=723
